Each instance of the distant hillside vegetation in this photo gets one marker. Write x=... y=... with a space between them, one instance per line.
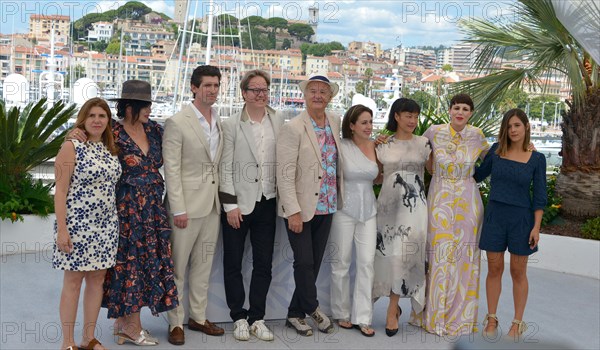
x=273 y=33
x=131 y=10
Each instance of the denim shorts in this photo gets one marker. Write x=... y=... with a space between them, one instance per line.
x=507 y=226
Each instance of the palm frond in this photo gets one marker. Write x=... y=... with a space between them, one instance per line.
x=28 y=137
x=489 y=90
x=539 y=35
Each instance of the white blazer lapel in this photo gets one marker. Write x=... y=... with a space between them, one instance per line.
x=220 y=145
x=312 y=136
x=249 y=135
x=276 y=120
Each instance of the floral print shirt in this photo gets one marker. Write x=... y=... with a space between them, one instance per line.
x=327 y=203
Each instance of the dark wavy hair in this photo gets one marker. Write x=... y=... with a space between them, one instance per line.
x=351 y=117
x=399 y=106
x=136 y=107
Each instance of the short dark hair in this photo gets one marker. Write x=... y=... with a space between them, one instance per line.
x=351 y=117
x=462 y=98
x=204 y=71
x=136 y=107
x=399 y=106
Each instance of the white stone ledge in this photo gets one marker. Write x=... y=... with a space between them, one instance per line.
x=569 y=255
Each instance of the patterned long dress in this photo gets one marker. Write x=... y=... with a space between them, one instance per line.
x=455 y=217
x=91 y=212
x=143 y=274
x=402 y=221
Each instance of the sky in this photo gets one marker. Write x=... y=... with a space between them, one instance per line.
x=391 y=22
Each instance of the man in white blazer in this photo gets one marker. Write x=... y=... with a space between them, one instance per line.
x=192 y=146
x=248 y=195
x=309 y=173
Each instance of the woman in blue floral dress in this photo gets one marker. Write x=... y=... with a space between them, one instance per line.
x=87 y=225
x=143 y=274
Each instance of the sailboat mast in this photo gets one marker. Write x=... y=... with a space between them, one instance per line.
x=120 y=83
x=50 y=88
x=181 y=48
x=211 y=7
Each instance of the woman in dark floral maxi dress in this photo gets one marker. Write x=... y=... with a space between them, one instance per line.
x=143 y=274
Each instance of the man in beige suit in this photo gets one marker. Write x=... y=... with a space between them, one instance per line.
x=308 y=176
x=192 y=146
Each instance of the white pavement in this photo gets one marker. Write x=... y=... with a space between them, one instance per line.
x=563 y=311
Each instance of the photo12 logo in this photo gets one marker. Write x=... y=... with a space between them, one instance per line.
x=20 y=11
x=454 y=11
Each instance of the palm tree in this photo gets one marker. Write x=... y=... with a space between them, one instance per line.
x=539 y=35
x=28 y=138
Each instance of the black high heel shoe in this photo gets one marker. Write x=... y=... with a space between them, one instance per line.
x=392 y=332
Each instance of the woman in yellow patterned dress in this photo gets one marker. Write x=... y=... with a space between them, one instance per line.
x=455 y=216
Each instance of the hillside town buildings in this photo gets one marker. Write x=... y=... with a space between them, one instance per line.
x=150 y=52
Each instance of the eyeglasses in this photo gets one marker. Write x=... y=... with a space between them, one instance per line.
x=259 y=91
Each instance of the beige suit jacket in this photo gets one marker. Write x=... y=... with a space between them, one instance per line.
x=299 y=169
x=191 y=176
x=240 y=172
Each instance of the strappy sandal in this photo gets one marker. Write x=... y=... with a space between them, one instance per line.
x=91 y=345
x=349 y=326
x=364 y=329
x=521 y=327
x=486 y=322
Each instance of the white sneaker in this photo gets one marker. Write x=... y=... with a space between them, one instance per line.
x=299 y=325
x=260 y=330
x=241 y=329
x=323 y=322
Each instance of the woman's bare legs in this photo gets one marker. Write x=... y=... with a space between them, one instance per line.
x=69 y=300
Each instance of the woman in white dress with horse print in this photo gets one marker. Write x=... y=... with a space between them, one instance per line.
x=402 y=214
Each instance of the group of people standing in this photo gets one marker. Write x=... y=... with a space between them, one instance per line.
x=427 y=246
x=135 y=249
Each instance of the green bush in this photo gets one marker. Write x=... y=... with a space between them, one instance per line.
x=591 y=229
x=554 y=200
x=26 y=196
x=484 y=191
x=28 y=138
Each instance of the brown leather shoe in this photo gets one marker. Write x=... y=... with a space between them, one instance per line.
x=176 y=336
x=208 y=327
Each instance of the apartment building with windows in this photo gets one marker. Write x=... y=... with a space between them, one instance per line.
x=316 y=65
x=40 y=27
x=101 y=31
x=362 y=49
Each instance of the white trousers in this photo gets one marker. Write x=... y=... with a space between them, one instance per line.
x=345 y=230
